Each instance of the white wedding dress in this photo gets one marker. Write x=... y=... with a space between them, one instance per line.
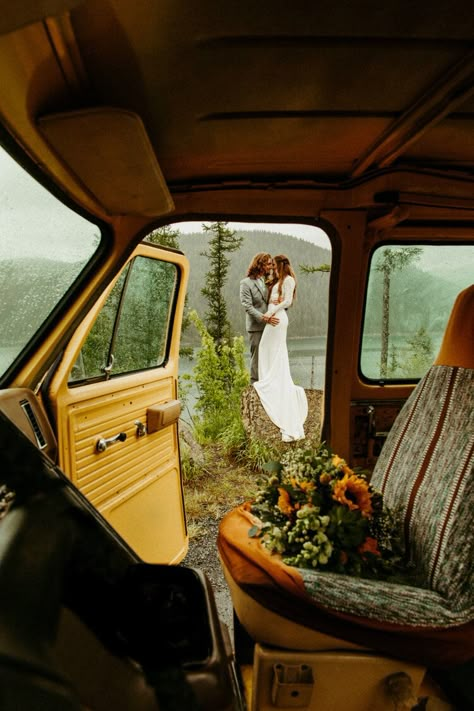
x=284 y=402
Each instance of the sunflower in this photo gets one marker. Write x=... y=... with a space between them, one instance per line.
x=284 y=502
x=353 y=492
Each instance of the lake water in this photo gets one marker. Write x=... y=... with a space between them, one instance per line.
x=307 y=364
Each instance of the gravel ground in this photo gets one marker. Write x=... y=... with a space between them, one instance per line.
x=202 y=554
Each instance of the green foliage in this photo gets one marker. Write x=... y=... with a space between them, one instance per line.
x=94 y=354
x=393 y=259
x=317 y=512
x=389 y=260
x=257 y=453
x=220 y=376
x=222 y=242
x=311 y=269
x=233 y=438
x=416 y=361
x=189 y=470
x=421 y=354
x=169 y=236
x=185 y=387
x=132 y=325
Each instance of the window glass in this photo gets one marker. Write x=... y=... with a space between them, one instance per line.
x=410 y=294
x=94 y=358
x=43 y=248
x=131 y=331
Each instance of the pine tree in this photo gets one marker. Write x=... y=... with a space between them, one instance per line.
x=167 y=236
x=222 y=242
x=391 y=260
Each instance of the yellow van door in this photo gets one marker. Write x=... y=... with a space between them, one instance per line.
x=116 y=404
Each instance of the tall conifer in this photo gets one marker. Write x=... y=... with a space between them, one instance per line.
x=223 y=241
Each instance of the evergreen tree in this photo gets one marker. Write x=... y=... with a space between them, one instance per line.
x=312 y=269
x=391 y=260
x=220 y=375
x=421 y=354
x=222 y=242
x=167 y=236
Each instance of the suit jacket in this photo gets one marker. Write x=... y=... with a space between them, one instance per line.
x=254 y=300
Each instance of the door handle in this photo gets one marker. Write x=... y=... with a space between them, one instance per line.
x=103 y=443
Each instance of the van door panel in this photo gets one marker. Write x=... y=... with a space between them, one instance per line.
x=133 y=476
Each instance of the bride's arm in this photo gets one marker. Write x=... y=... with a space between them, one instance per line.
x=287 y=296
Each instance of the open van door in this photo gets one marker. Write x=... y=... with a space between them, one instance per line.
x=114 y=397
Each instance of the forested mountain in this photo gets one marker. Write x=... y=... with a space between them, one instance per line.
x=419 y=298
x=41 y=282
x=308 y=316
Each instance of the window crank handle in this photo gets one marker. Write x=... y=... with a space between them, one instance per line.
x=103 y=443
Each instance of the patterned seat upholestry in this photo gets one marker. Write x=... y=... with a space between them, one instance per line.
x=426 y=469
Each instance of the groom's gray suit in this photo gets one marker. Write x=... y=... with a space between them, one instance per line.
x=253 y=297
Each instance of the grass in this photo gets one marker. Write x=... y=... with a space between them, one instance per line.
x=216 y=488
x=225 y=476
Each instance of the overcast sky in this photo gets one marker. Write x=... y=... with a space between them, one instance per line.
x=34 y=223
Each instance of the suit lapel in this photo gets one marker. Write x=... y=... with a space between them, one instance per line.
x=262 y=291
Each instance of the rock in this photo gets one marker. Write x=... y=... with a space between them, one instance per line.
x=195 y=451
x=258 y=425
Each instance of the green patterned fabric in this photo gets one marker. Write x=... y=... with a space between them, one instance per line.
x=426 y=468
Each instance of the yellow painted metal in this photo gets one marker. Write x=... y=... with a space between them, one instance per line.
x=363 y=676
x=135 y=483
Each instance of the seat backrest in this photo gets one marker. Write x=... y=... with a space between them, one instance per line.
x=425 y=469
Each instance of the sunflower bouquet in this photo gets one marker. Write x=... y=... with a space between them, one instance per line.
x=316 y=512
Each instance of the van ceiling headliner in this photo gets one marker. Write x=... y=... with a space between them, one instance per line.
x=323 y=91
x=245 y=94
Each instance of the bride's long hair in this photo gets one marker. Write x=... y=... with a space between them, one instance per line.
x=284 y=269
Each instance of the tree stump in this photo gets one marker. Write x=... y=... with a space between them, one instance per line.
x=257 y=424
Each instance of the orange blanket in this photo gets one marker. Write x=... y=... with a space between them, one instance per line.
x=237 y=550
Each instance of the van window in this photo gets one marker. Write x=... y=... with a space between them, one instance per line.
x=411 y=290
x=131 y=331
x=43 y=249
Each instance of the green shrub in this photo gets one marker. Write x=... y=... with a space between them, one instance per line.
x=220 y=376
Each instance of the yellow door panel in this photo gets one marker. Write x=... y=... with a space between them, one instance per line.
x=118 y=433
x=157 y=502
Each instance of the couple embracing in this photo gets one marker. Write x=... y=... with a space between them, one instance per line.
x=266 y=293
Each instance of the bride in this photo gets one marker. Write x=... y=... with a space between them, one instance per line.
x=284 y=402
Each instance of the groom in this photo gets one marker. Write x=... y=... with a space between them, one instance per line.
x=254 y=299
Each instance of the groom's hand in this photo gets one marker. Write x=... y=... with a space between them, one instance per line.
x=272 y=320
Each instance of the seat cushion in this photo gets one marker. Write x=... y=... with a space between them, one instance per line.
x=401 y=620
